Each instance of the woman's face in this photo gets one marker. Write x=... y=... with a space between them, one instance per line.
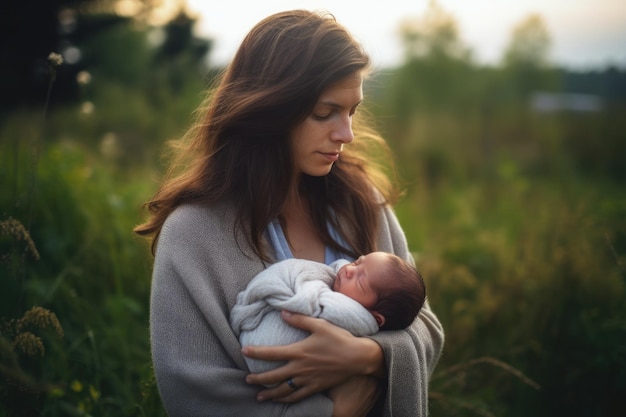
x=318 y=141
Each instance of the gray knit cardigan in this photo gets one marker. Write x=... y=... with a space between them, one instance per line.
x=200 y=266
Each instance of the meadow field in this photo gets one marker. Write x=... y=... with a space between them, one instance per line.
x=515 y=213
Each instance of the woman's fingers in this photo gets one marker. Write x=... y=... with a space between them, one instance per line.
x=273 y=377
x=301 y=321
x=286 y=352
x=267 y=353
x=322 y=360
x=286 y=392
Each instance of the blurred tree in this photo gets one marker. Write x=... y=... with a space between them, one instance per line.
x=433 y=35
x=529 y=45
x=112 y=48
x=436 y=79
x=28 y=33
x=31 y=29
x=181 y=50
x=436 y=62
x=145 y=55
x=526 y=57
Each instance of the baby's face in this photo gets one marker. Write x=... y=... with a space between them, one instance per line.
x=361 y=279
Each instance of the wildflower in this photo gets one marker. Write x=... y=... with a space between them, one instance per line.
x=55 y=59
x=40 y=317
x=95 y=394
x=76 y=386
x=14 y=228
x=29 y=344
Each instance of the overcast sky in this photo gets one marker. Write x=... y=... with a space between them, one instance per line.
x=585 y=33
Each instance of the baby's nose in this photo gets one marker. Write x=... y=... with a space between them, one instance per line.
x=349 y=271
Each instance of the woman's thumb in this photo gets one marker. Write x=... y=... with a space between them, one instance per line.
x=297 y=320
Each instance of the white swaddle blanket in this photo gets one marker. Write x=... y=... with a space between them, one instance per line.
x=300 y=286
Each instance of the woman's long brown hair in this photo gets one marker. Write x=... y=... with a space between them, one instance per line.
x=240 y=149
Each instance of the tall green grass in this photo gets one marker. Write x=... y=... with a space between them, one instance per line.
x=515 y=221
x=522 y=249
x=94 y=275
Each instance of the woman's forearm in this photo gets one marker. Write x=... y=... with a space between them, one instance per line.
x=373 y=358
x=355 y=397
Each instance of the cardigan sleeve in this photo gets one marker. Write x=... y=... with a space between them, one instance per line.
x=199 y=268
x=410 y=354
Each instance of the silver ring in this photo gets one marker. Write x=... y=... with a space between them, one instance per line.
x=292 y=384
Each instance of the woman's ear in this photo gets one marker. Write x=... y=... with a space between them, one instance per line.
x=380 y=319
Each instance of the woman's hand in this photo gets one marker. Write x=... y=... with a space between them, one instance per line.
x=325 y=359
x=355 y=397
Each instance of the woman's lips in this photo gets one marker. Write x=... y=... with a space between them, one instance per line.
x=331 y=156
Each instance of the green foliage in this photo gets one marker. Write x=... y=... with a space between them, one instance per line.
x=516 y=218
x=94 y=278
x=73 y=184
x=126 y=61
x=526 y=270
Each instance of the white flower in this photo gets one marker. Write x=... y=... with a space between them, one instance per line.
x=55 y=59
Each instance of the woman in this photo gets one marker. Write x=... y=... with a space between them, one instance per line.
x=265 y=176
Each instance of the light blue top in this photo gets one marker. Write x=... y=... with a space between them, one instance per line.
x=281 y=246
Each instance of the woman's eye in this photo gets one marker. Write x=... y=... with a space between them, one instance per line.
x=321 y=116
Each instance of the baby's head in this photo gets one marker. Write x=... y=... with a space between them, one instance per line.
x=390 y=288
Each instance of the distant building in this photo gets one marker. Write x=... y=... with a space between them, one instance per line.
x=545 y=102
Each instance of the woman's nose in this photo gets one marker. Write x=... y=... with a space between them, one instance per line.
x=343 y=130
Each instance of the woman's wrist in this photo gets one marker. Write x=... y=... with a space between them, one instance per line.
x=373 y=358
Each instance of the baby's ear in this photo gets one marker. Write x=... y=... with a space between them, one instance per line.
x=380 y=319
